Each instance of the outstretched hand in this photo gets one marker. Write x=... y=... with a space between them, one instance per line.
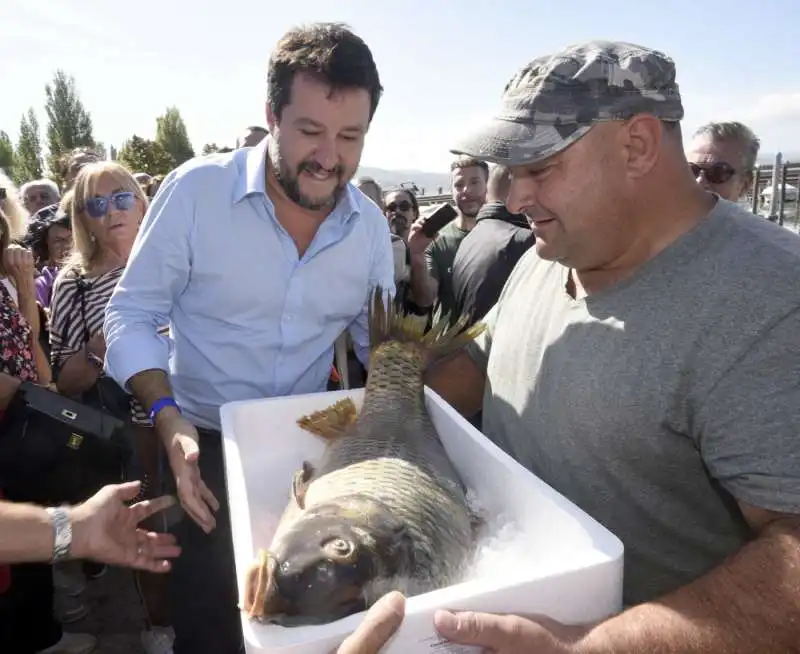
x=106 y=529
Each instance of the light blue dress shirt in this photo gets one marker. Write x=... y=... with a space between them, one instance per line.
x=248 y=317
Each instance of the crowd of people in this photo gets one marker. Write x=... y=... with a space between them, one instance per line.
x=640 y=353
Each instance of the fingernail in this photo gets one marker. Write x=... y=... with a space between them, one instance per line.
x=445 y=622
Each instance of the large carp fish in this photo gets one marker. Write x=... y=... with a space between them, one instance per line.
x=384 y=509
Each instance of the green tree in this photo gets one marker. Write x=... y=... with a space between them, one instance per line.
x=172 y=136
x=210 y=148
x=143 y=156
x=6 y=154
x=69 y=124
x=28 y=159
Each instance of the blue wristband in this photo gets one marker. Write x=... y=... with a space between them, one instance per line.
x=161 y=404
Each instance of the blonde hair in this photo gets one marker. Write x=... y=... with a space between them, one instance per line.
x=84 y=247
x=13 y=216
x=66 y=202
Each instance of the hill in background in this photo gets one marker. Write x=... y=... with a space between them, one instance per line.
x=428 y=183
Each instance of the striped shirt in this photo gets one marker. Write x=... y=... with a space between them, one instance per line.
x=68 y=331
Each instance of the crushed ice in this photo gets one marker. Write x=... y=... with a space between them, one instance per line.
x=503 y=549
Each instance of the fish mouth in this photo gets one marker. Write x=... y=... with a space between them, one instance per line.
x=261 y=596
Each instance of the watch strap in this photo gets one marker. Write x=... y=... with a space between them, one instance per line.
x=62 y=533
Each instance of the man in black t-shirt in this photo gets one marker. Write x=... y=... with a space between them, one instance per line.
x=488 y=254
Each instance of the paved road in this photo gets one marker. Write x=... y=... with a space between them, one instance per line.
x=116 y=616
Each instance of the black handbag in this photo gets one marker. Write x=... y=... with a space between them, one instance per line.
x=54 y=449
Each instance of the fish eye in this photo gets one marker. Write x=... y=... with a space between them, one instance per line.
x=339 y=548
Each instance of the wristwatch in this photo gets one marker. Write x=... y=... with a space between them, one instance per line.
x=62 y=533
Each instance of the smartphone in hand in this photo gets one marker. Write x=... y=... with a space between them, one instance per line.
x=438 y=219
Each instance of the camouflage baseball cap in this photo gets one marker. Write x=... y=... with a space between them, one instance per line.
x=556 y=99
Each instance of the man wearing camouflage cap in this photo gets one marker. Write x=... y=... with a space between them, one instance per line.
x=643 y=361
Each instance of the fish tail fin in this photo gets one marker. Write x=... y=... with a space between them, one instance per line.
x=386 y=323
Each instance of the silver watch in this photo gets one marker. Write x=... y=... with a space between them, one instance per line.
x=62 y=533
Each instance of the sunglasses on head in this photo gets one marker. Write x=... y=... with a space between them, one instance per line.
x=98 y=206
x=403 y=205
x=716 y=173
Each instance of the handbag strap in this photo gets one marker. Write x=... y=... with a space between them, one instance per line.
x=82 y=287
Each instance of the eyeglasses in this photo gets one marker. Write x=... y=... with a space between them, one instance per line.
x=716 y=173
x=43 y=196
x=403 y=205
x=98 y=206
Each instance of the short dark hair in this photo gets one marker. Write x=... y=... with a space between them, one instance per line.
x=470 y=162
x=328 y=51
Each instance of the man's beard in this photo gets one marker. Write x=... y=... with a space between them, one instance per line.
x=398 y=225
x=290 y=181
x=472 y=211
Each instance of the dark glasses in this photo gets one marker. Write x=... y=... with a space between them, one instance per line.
x=716 y=173
x=97 y=207
x=403 y=205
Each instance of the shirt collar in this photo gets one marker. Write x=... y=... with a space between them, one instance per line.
x=498 y=211
x=252 y=180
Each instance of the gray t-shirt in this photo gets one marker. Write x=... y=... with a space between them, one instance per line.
x=653 y=404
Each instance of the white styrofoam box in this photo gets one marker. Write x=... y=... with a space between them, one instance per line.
x=565 y=565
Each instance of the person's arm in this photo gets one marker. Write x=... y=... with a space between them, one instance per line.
x=460 y=379
x=157 y=272
x=104 y=528
x=75 y=371
x=20 y=263
x=43 y=369
x=26 y=533
x=748 y=604
x=8 y=388
x=424 y=278
x=424 y=282
x=381 y=274
x=748 y=437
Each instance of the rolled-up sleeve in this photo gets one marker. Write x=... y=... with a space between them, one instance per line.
x=156 y=274
x=381 y=274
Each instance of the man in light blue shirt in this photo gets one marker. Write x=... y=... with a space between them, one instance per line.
x=249 y=316
x=257 y=259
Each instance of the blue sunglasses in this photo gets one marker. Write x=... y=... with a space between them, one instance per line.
x=98 y=206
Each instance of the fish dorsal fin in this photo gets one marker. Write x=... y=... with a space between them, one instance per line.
x=387 y=324
x=332 y=422
x=300 y=484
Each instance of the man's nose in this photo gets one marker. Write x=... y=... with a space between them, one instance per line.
x=521 y=194
x=326 y=154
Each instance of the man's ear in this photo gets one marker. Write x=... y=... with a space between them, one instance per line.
x=642 y=139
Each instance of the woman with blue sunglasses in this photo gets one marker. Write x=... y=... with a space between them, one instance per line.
x=107 y=207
